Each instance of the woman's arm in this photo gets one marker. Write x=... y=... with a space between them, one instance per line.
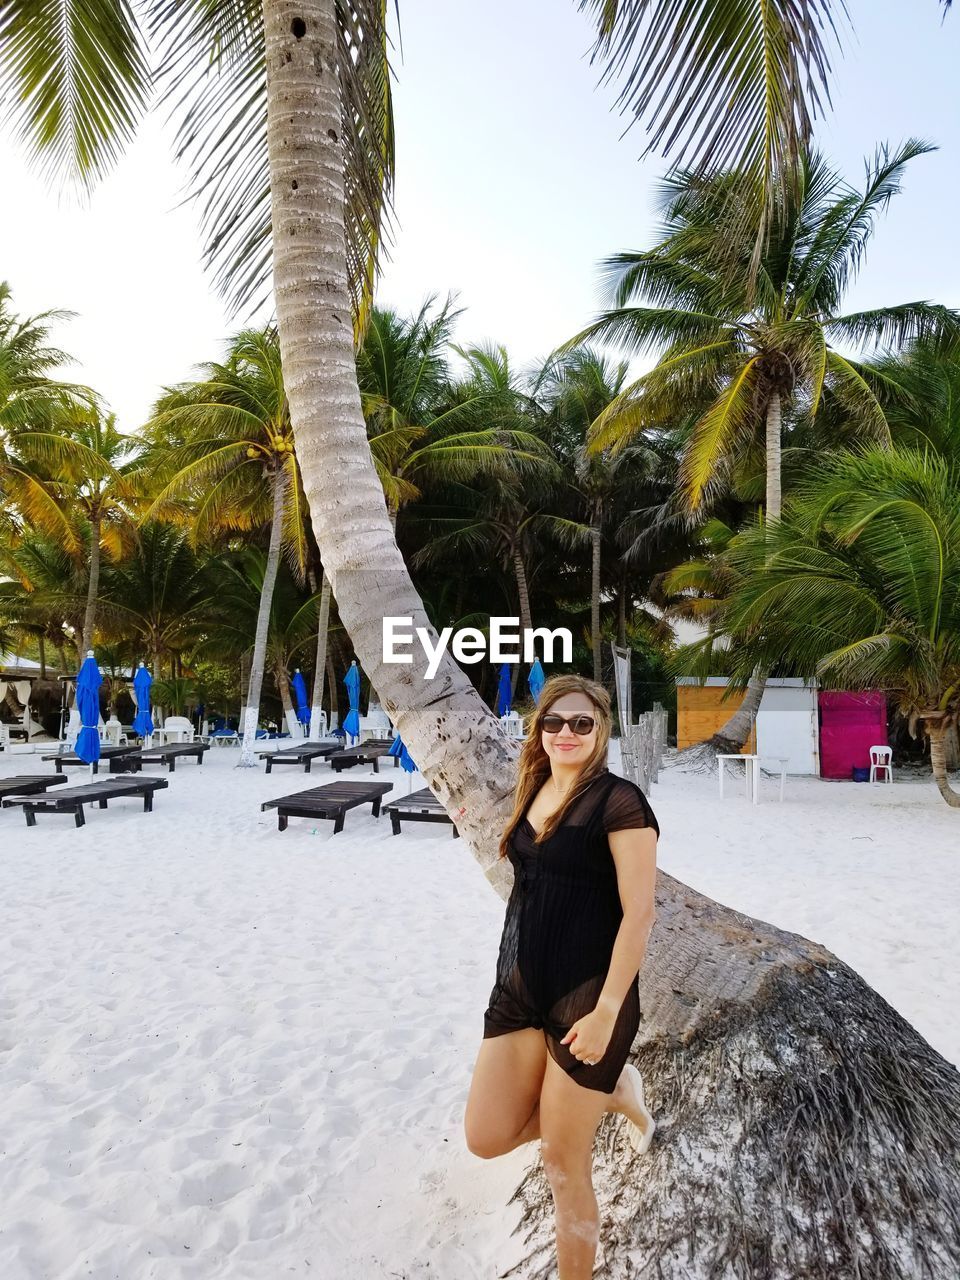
x=635 y=856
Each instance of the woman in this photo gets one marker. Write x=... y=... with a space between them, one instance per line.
x=565 y=1006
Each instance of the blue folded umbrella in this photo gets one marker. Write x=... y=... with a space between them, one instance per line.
x=536 y=680
x=142 y=721
x=300 y=698
x=504 y=691
x=351 y=721
x=398 y=748
x=89 y=681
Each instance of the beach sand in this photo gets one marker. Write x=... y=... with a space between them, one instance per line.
x=227 y=1052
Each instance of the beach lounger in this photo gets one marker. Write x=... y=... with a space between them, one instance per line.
x=30 y=783
x=171 y=752
x=366 y=753
x=331 y=801
x=73 y=799
x=120 y=759
x=304 y=754
x=419 y=806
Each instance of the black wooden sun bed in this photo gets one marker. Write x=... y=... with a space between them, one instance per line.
x=28 y=784
x=170 y=752
x=120 y=759
x=419 y=806
x=73 y=799
x=330 y=801
x=304 y=754
x=365 y=753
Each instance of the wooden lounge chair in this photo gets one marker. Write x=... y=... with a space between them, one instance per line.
x=329 y=801
x=419 y=806
x=304 y=754
x=366 y=753
x=28 y=784
x=120 y=759
x=73 y=799
x=171 y=752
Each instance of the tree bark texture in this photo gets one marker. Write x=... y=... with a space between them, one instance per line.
x=938 y=761
x=595 y=602
x=323 y=625
x=252 y=710
x=93 y=588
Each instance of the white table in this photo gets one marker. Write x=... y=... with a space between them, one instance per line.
x=752 y=772
x=778 y=763
x=749 y=772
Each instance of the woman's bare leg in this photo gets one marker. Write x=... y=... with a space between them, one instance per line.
x=503 y=1105
x=569 y=1116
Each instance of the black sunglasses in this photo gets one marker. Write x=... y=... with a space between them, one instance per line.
x=581 y=725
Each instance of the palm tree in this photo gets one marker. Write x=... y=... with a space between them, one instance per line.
x=752 y=351
x=224 y=446
x=858 y=584
x=96 y=488
x=577 y=387
x=161 y=597
x=35 y=412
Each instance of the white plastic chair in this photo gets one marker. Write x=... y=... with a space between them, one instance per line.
x=512 y=724
x=881 y=758
x=176 y=729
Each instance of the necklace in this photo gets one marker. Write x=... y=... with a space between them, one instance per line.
x=561 y=791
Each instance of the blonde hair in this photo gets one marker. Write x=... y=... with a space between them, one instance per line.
x=534 y=766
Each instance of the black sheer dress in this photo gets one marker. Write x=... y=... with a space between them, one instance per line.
x=560 y=926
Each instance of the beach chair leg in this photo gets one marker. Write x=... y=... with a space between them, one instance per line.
x=269 y=767
x=173 y=763
x=102 y=804
x=31 y=817
x=148 y=802
x=58 y=765
x=376 y=764
x=395 y=821
x=78 y=817
x=376 y=806
x=281 y=822
x=338 y=824
x=308 y=764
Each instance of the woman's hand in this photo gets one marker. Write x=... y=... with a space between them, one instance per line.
x=590 y=1035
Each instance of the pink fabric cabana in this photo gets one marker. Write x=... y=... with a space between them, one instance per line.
x=850 y=724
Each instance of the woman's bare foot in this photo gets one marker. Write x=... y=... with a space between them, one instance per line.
x=627 y=1099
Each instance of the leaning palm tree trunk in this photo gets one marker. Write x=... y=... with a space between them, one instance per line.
x=252 y=709
x=595 y=602
x=462 y=750
x=807 y=1130
x=93 y=588
x=938 y=757
x=523 y=593
x=731 y=736
x=319 y=668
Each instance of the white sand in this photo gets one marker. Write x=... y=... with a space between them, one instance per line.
x=229 y=1052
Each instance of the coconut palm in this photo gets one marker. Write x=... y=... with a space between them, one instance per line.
x=35 y=413
x=96 y=488
x=860 y=585
x=224 y=451
x=753 y=351
x=161 y=597
x=420 y=432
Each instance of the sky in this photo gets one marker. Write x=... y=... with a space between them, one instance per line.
x=514 y=182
